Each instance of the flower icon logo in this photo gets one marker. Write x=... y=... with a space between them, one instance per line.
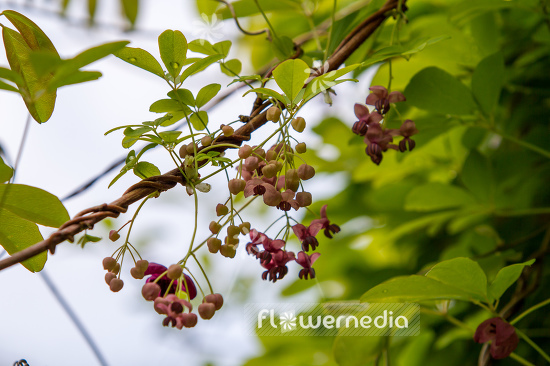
x=287 y=321
x=209 y=29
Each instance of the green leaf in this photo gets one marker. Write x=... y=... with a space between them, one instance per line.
x=476 y=175
x=326 y=81
x=461 y=273
x=437 y=91
x=40 y=103
x=34 y=37
x=202 y=46
x=411 y=289
x=130 y=8
x=357 y=351
x=17 y=234
x=140 y=58
x=268 y=92
x=33 y=204
x=291 y=76
x=10 y=75
x=506 y=278
x=207 y=7
x=8 y=87
x=173 y=50
x=92 y=7
x=6 y=172
x=165 y=105
x=231 y=67
x=144 y=170
x=94 y=54
x=222 y=47
x=76 y=77
x=283 y=47
x=169 y=136
x=85 y=239
x=437 y=196
x=207 y=93
x=199 y=66
x=199 y=120
x=487 y=82
x=182 y=95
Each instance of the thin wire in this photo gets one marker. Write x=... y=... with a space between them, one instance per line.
x=76 y=321
x=21 y=146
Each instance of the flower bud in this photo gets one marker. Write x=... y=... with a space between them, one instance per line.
x=206 y=140
x=306 y=172
x=109 y=263
x=273 y=114
x=142 y=265
x=233 y=231
x=231 y=240
x=214 y=227
x=213 y=244
x=136 y=273
x=116 y=284
x=251 y=163
x=114 y=235
x=259 y=152
x=269 y=171
x=303 y=199
x=272 y=198
x=191 y=148
x=227 y=130
x=299 y=124
x=245 y=151
x=218 y=301
x=189 y=320
x=245 y=228
x=228 y=251
x=183 y=151
x=292 y=181
x=271 y=155
x=150 y=291
x=174 y=271
x=236 y=186
x=116 y=269
x=301 y=148
x=221 y=210
x=109 y=276
x=207 y=310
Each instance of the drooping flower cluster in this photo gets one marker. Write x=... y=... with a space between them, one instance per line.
x=274 y=257
x=378 y=138
x=167 y=286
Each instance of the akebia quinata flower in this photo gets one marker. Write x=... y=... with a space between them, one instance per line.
x=501 y=334
x=325 y=223
x=306 y=235
x=166 y=284
x=381 y=100
x=360 y=127
x=307 y=261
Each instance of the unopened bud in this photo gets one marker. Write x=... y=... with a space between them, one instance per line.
x=233 y=230
x=213 y=244
x=292 y=181
x=236 y=185
x=306 y=172
x=150 y=291
x=231 y=240
x=245 y=151
x=259 y=152
x=228 y=251
x=245 y=228
x=214 y=227
x=189 y=320
x=273 y=114
x=206 y=140
x=301 y=148
x=116 y=269
x=109 y=276
x=251 y=163
x=116 y=284
x=109 y=263
x=299 y=124
x=207 y=310
x=272 y=197
x=174 y=271
x=221 y=210
x=303 y=199
x=142 y=265
x=191 y=148
x=136 y=273
x=227 y=130
x=269 y=171
x=114 y=235
x=183 y=151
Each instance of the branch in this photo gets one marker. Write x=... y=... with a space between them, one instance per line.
x=88 y=218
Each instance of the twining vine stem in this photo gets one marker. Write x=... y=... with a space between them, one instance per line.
x=89 y=217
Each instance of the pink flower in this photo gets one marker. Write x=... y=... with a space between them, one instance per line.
x=502 y=335
x=380 y=99
x=325 y=223
x=307 y=261
x=174 y=308
x=258 y=187
x=306 y=235
x=288 y=201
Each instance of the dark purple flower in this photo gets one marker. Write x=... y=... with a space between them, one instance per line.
x=502 y=335
x=407 y=129
x=174 y=308
x=378 y=140
x=307 y=261
x=325 y=223
x=360 y=127
x=381 y=100
x=306 y=235
x=276 y=268
x=258 y=187
x=257 y=239
x=156 y=270
x=288 y=201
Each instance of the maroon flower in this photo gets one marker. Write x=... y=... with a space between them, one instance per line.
x=360 y=127
x=306 y=235
x=258 y=187
x=502 y=335
x=156 y=270
x=174 y=308
x=380 y=99
x=257 y=239
x=407 y=129
x=325 y=223
x=288 y=201
x=378 y=140
x=307 y=261
x=276 y=268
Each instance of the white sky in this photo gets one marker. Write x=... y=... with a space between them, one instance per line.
x=69 y=149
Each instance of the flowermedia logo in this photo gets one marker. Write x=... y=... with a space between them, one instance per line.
x=329 y=319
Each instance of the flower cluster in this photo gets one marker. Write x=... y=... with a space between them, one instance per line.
x=166 y=286
x=378 y=138
x=274 y=258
